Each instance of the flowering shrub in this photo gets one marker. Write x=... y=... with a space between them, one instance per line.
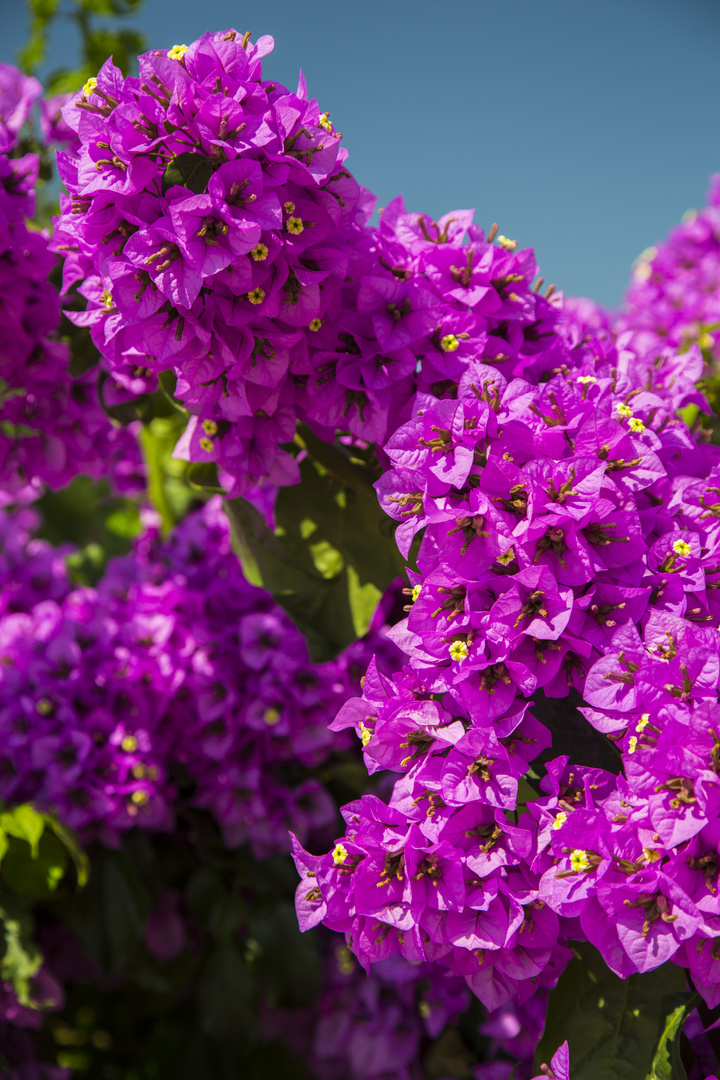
x=535 y=837
x=51 y=426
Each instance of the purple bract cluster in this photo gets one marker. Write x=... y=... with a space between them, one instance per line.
x=674 y=294
x=51 y=425
x=173 y=673
x=569 y=546
x=213 y=223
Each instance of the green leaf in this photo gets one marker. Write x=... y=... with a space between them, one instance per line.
x=72 y=846
x=203 y=476
x=169 y=493
x=26 y=824
x=667 y=1063
x=285 y=963
x=21 y=959
x=35 y=875
x=224 y=995
x=109 y=914
x=99 y=523
x=190 y=170
x=611 y=1024
x=332 y=554
x=125 y=521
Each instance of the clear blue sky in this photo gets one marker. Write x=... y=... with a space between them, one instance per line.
x=584 y=127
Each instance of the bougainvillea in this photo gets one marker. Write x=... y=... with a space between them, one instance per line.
x=542 y=729
x=173 y=672
x=51 y=424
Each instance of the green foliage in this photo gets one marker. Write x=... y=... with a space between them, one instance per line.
x=96 y=42
x=98 y=523
x=667 y=1063
x=617 y=1029
x=190 y=170
x=169 y=486
x=35 y=853
x=332 y=553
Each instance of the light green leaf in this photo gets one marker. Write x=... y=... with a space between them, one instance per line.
x=25 y=823
x=72 y=846
x=667 y=1063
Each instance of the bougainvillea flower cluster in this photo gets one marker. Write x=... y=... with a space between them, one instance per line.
x=568 y=546
x=213 y=223
x=674 y=294
x=558 y=515
x=174 y=678
x=51 y=424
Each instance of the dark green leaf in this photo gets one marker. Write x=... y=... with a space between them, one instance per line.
x=611 y=1024
x=224 y=995
x=203 y=476
x=98 y=523
x=331 y=555
x=448 y=1057
x=285 y=963
x=35 y=876
x=109 y=914
x=190 y=170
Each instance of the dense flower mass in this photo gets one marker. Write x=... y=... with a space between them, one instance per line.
x=549 y=706
x=213 y=223
x=51 y=425
x=568 y=547
x=674 y=294
x=173 y=675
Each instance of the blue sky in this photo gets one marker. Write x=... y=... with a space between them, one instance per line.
x=584 y=127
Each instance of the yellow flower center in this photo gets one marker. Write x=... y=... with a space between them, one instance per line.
x=509 y=245
x=636 y=425
x=449 y=343
x=340 y=854
x=129 y=743
x=256 y=296
x=289 y=207
x=209 y=427
x=177 y=52
x=140 y=798
x=643 y=721
x=365 y=734
x=416 y=592
x=315 y=325
x=206 y=444
x=680 y=547
x=579 y=860
x=585 y=379
x=89 y=87
x=632 y=744
x=294 y=225
x=560 y=820
x=623 y=409
x=458 y=650
x=259 y=252
x=324 y=121
x=271 y=716
x=107 y=298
